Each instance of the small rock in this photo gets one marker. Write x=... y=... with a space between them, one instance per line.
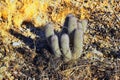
x=98 y=53
x=15 y=44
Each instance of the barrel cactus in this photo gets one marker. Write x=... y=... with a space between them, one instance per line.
x=70 y=42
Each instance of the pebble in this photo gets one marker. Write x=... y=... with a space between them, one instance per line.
x=15 y=44
x=98 y=53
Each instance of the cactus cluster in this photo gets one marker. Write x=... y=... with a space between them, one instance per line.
x=70 y=42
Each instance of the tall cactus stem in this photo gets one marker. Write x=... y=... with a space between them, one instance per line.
x=84 y=24
x=65 y=47
x=78 y=43
x=55 y=46
x=72 y=23
x=49 y=31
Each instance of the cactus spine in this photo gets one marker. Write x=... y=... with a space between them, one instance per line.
x=55 y=46
x=65 y=47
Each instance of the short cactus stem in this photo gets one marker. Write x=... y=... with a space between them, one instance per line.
x=65 y=47
x=49 y=31
x=55 y=46
x=69 y=42
x=78 y=43
x=79 y=26
x=84 y=24
x=72 y=23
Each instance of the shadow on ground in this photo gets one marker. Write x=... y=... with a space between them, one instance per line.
x=39 y=55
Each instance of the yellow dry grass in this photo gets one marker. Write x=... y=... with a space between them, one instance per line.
x=14 y=12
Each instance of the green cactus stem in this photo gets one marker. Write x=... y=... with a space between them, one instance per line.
x=55 y=46
x=71 y=26
x=49 y=31
x=79 y=25
x=78 y=43
x=84 y=24
x=65 y=47
x=72 y=23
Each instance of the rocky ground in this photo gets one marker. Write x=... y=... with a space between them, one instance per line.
x=25 y=55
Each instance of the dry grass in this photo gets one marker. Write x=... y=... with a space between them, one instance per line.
x=25 y=55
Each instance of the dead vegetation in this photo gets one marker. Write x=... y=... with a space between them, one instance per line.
x=24 y=53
